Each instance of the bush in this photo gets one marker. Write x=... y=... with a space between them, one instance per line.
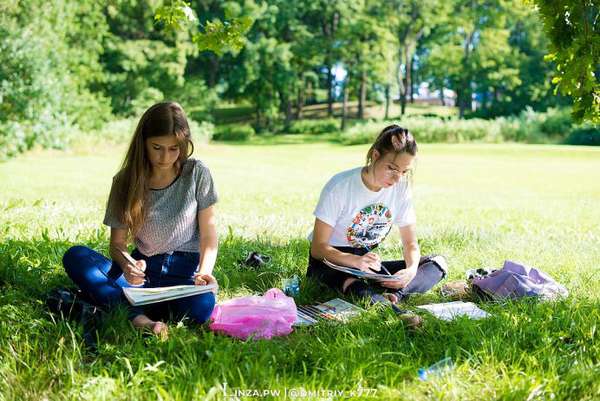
x=202 y=132
x=234 y=133
x=314 y=127
x=556 y=122
x=589 y=136
x=426 y=129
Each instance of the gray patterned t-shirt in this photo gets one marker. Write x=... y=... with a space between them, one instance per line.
x=171 y=222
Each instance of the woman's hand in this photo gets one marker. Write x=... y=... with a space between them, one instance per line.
x=406 y=276
x=369 y=262
x=135 y=274
x=205 y=279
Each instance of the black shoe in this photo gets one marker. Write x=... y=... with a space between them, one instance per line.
x=255 y=259
x=72 y=305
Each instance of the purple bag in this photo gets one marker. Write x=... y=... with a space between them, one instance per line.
x=515 y=281
x=255 y=316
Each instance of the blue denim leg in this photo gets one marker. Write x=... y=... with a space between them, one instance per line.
x=97 y=276
x=177 y=268
x=197 y=307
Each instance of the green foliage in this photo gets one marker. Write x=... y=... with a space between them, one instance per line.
x=573 y=27
x=529 y=126
x=219 y=36
x=48 y=64
x=237 y=133
x=224 y=36
x=198 y=99
x=176 y=15
x=589 y=136
x=202 y=132
x=321 y=126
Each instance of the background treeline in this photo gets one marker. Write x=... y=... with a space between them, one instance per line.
x=71 y=66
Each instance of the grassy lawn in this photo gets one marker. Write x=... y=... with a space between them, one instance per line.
x=476 y=204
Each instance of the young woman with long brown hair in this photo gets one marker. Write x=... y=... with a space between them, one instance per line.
x=163 y=200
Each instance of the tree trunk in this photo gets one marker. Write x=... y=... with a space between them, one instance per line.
x=362 y=95
x=442 y=97
x=387 y=102
x=213 y=69
x=412 y=79
x=400 y=83
x=329 y=89
x=409 y=77
x=344 y=105
x=463 y=96
x=300 y=102
x=288 y=113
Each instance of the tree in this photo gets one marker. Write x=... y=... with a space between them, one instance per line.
x=411 y=21
x=573 y=27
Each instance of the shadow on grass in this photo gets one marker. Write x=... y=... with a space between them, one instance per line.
x=35 y=266
x=540 y=339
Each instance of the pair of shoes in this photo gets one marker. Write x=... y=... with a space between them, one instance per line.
x=255 y=259
x=71 y=304
x=410 y=319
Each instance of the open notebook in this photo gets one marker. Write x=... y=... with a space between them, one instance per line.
x=361 y=274
x=143 y=296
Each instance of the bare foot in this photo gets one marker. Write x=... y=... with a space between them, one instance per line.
x=391 y=297
x=161 y=330
x=411 y=320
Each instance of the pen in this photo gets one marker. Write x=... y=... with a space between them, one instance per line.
x=130 y=260
x=381 y=266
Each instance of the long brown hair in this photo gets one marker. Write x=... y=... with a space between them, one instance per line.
x=167 y=118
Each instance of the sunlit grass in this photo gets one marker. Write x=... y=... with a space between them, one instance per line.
x=476 y=204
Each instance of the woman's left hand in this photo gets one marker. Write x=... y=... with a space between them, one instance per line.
x=205 y=279
x=406 y=276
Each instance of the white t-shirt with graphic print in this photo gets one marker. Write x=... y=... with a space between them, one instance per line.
x=360 y=217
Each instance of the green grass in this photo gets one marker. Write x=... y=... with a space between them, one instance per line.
x=477 y=204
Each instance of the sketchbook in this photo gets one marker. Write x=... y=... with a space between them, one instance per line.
x=144 y=296
x=450 y=310
x=335 y=309
x=361 y=274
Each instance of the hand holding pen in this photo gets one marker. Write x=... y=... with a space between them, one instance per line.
x=134 y=270
x=369 y=262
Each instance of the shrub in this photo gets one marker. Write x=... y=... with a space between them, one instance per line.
x=234 y=133
x=589 y=136
x=314 y=127
x=556 y=122
x=426 y=129
x=202 y=132
x=116 y=131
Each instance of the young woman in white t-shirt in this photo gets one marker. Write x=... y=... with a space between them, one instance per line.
x=355 y=213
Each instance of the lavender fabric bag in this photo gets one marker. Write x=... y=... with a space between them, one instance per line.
x=515 y=281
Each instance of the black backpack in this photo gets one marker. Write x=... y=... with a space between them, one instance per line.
x=72 y=305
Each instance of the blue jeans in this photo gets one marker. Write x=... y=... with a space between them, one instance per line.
x=102 y=281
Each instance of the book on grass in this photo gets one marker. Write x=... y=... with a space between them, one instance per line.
x=450 y=310
x=144 y=296
x=335 y=309
x=362 y=274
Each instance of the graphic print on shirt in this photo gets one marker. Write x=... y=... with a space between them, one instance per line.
x=370 y=226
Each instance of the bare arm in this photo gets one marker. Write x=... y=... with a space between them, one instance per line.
x=208 y=240
x=118 y=244
x=412 y=255
x=410 y=246
x=320 y=249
